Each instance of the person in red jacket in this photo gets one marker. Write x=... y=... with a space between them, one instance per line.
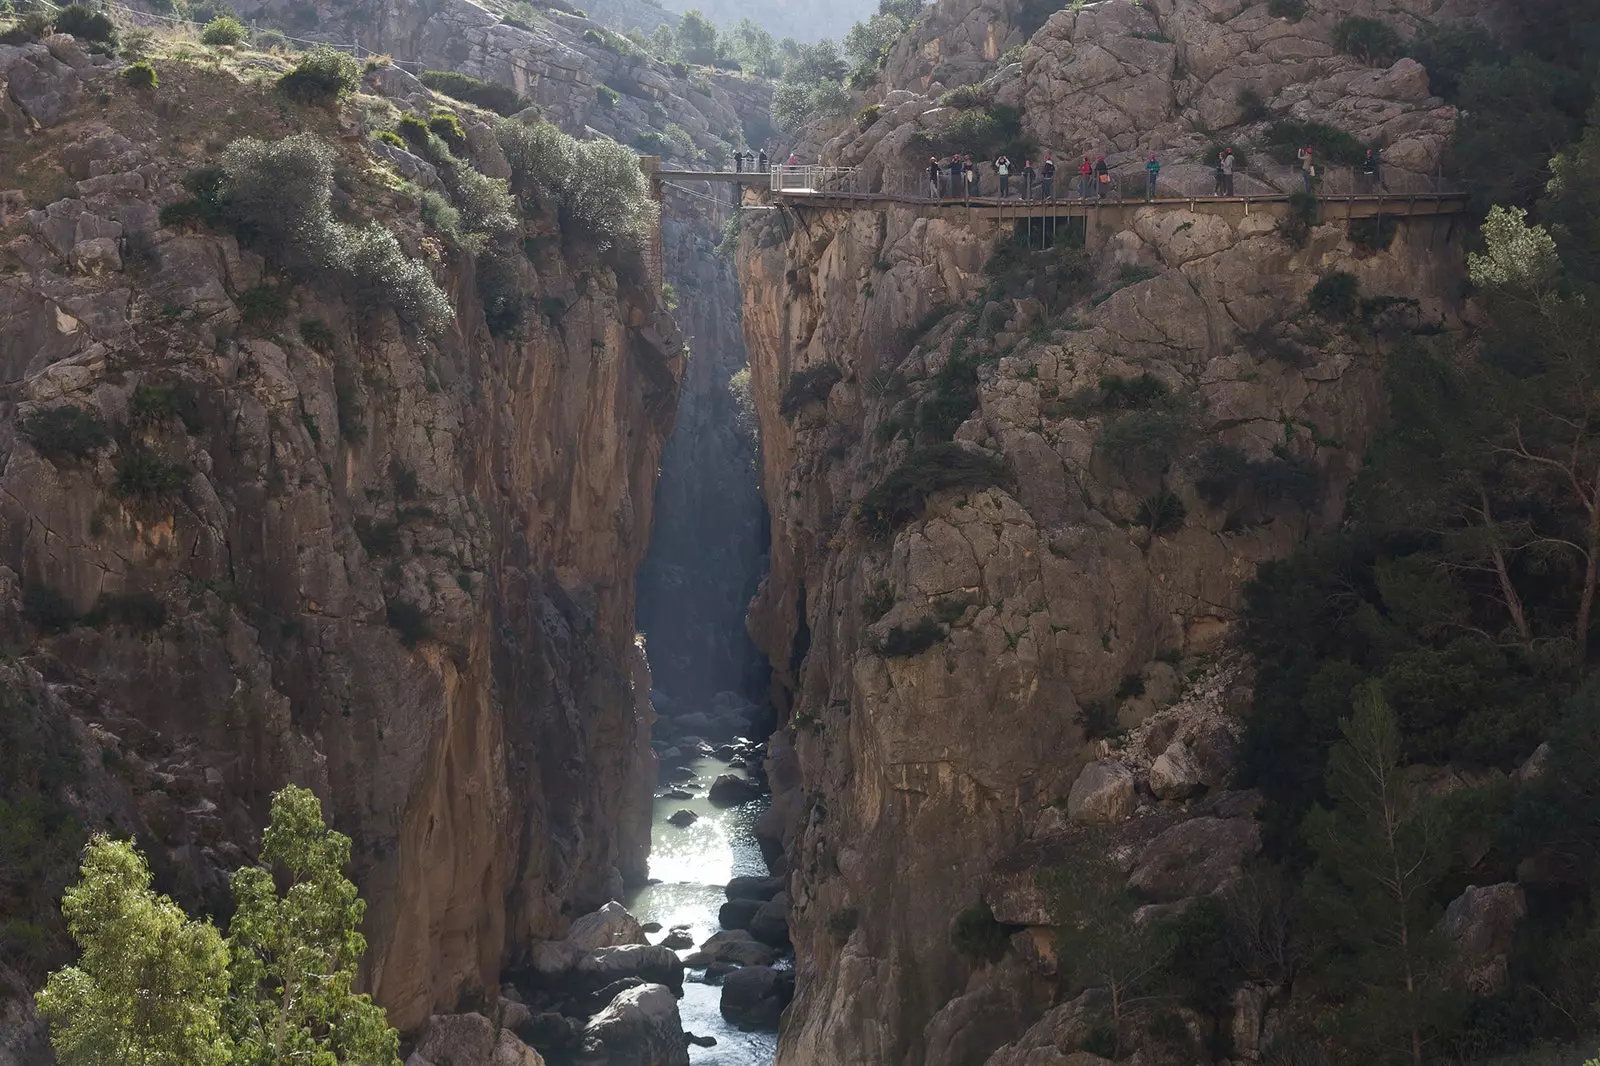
x=1085 y=178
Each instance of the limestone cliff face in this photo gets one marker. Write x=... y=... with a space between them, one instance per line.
x=935 y=678
x=398 y=570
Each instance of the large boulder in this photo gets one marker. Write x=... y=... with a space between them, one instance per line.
x=1052 y=1039
x=608 y=927
x=762 y=888
x=770 y=924
x=729 y=790
x=641 y=1027
x=457 y=1040
x=652 y=962
x=755 y=996
x=1194 y=858
x=739 y=913
x=1482 y=924
x=1000 y=1001
x=733 y=947
x=1102 y=793
x=1174 y=774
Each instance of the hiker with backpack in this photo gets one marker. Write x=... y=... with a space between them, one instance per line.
x=1048 y=173
x=1002 y=168
x=1085 y=178
x=1370 y=173
x=1102 y=176
x=1152 y=169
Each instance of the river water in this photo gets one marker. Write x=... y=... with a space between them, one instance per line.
x=693 y=866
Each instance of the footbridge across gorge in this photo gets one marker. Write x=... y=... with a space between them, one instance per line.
x=1341 y=193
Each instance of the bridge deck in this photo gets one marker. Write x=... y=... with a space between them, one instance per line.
x=1356 y=205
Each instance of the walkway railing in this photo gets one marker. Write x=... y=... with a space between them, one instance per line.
x=1176 y=181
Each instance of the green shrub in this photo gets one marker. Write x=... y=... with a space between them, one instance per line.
x=501 y=99
x=270 y=40
x=1097 y=719
x=87 y=24
x=867 y=116
x=899 y=498
x=500 y=291
x=317 y=334
x=31 y=27
x=807 y=387
x=903 y=641
x=1142 y=442
x=1336 y=295
x=447 y=127
x=380 y=539
x=967 y=96
x=381 y=275
x=976 y=935
x=982 y=134
x=1302 y=215
x=1132 y=394
x=322 y=78
x=877 y=601
x=1330 y=144
x=410 y=621
x=597 y=186
x=390 y=137
x=66 y=432
x=226 y=31
x=142 y=611
x=1161 y=514
x=414 y=132
x=1252 y=108
x=1287 y=9
x=146 y=476
x=1449 y=50
x=1222 y=472
x=153 y=404
x=606 y=96
x=842 y=922
x=488 y=210
x=442 y=216
x=1368 y=39
x=1373 y=234
x=47 y=609
x=140 y=75
x=262 y=306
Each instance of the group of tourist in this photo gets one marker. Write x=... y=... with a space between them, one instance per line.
x=959 y=178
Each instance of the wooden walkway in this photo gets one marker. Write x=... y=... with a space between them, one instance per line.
x=1359 y=205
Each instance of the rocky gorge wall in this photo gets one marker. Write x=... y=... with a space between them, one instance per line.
x=310 y=544
x=982 y=547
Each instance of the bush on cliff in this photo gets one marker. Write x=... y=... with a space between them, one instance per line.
x=899 y=498
x=278 y=197
x=155 y=986
x=322 y=78
x=501 y=99
x=807 y=387
x=595 y=186
x=66 y=432
x=87 y=24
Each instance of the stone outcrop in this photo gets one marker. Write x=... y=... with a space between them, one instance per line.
x=641 y=1027
x=939 y=679
x=397 y=571
x=470 y=1040
x=1482 y=924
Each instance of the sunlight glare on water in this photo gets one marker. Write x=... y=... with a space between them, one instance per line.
x=694 y=865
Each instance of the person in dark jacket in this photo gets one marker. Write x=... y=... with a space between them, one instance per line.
x=1027 y=179
x=1371 y=174
x=1048 y=175
x=763 y=166
x=933 y=177
x=1152 y=170
x=1102 y=176
x=957 y=182
x=1002 y=169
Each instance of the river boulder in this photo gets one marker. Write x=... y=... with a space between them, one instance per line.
x=738 y=913
x=755 y=996
x=683 y=819
x=655 y=964
x=641 y=1027
x=732 y=947
x=470 y=1040
x=770 y=924
x=729 y=790
x=761 y=888
x=607 y=927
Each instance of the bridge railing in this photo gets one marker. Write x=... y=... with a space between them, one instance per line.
x=1176 y=181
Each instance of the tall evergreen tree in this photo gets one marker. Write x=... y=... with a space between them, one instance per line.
x=1380 y=855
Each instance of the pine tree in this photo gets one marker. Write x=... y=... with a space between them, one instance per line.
x=295 y=955
x=1379 y=853
x=150 y=985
